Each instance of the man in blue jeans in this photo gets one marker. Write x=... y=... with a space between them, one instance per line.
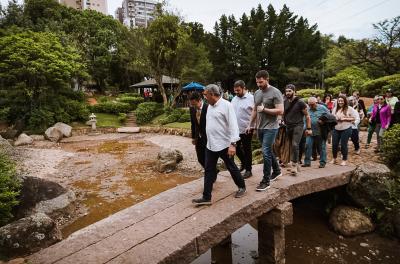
x=316 y=111
x=268 y=104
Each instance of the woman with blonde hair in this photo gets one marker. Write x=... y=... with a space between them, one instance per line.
x=345 y=116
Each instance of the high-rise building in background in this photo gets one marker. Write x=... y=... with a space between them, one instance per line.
x=98 y=5
x=137 y=13
x=119 y=14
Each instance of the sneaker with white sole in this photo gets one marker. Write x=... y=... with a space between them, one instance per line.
x=274 y=176
x=263 y=186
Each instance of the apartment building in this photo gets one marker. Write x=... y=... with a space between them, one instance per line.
x=98 y=5
x=137 y=13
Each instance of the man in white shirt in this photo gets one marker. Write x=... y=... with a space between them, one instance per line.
x=243 y=104
x=222 y=134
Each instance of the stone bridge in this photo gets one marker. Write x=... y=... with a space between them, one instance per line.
x=168 y=228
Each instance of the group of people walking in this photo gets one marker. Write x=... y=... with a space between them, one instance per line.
x=223 y=129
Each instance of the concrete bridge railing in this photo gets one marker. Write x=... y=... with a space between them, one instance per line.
x=168 y=228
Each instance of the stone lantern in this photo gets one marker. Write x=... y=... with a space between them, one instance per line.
x=92 y=121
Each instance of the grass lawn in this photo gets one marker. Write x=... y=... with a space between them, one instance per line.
x=155 y=122
x=185 y=125
x=107 y=120
x=103 y=120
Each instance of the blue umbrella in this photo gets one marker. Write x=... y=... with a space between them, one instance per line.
x=193 y=86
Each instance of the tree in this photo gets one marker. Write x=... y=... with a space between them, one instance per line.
x=171 y=52
x=351 y=78
x=36 y=70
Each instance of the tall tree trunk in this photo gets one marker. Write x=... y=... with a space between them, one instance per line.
x=162 y=89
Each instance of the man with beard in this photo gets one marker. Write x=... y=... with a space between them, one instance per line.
x=295 y=111
x=268 y=104
x=243 y=104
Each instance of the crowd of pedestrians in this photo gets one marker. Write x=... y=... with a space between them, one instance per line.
x=287 y=127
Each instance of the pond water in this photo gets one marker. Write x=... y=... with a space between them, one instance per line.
x=310 y=241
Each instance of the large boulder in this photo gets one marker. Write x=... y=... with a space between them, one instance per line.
x=6 y=147
x=65 y=129
x=368 y=185
x=60 y=206
x=349 y=221
x=35 y=190
x=168 y=159
x=53 y=134
x=10 y=133
x=28 y=235
x=23 y=139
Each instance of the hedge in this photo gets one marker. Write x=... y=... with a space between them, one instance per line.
x=305 y=93
x=112 y=108
x=133 y=101
x=391 y=147
x=378 y=86
x=176 y=115
x=9 y=188
x=145 y=112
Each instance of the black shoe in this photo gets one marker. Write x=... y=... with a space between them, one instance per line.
x=247 y=174
x=306 y=165
x=241 y=168
x=274 y=176
x=263 y=186
x=240 y=193
x=201 y=201
x=321 y=166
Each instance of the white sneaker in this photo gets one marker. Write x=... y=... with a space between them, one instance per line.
x=358 y=152
x=344 y=163
x=334 y=161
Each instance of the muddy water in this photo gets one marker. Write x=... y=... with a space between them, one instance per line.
x=128 y=178
x=310 y=241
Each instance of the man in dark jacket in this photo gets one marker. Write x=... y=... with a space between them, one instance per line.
x=198 y=112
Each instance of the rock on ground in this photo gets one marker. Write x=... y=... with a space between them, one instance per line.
x=35 y=190
x=367 y=185
x=23 y=139
x=28 y=235
x=6 y=147
x=53 y=134
x=65 y=129
x=167 y=160
x=350 y=221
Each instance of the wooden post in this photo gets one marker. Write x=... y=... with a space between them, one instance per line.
x=271 y=234
x=222 y=253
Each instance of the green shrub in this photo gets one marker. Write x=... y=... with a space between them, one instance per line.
x=111 y=108
x=9 y=188
x=122 y=117
x=391 y=147
x=130 y=95
x=184 y=118
x=145 y=112
x=133 y=101
x=103 y=99
x=305 y=93
x=40 y=119
x=4 y=113
x=378 y=86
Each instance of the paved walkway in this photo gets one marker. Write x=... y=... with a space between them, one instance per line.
x=168 y=228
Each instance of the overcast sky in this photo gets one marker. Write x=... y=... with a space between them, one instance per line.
x=351 y=18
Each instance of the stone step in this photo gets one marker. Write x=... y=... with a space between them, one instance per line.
x=128 y=130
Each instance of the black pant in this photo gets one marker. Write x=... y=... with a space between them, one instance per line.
x=316 y=148
x=201 y=151
x=302 y=146
x=243 y=151
x=295 y=134
x=211 y=171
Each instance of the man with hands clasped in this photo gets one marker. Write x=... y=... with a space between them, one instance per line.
x=222 y=134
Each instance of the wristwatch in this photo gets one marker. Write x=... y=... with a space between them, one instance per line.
x=233 y=144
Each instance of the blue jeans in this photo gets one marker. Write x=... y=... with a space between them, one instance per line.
x=341 y=136
x=267 y=138
x=309 y=148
